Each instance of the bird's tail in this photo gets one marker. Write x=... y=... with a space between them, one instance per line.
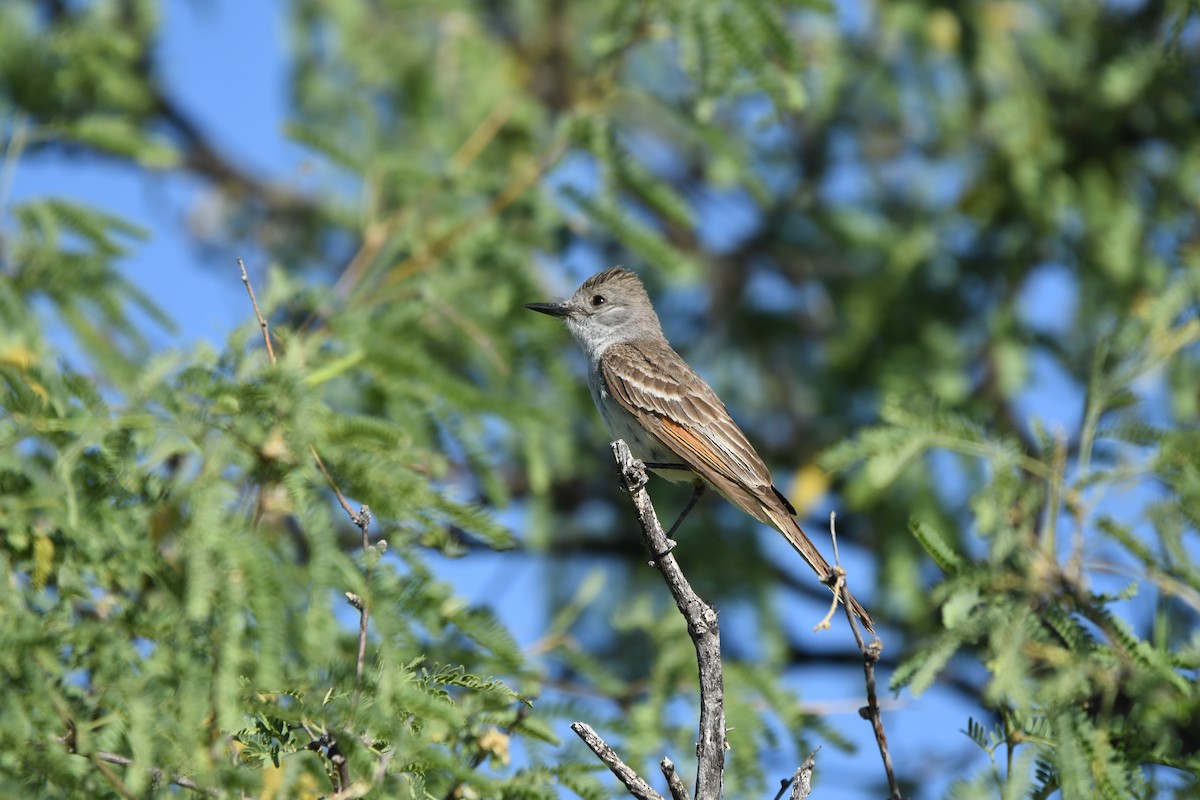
x=782 y=521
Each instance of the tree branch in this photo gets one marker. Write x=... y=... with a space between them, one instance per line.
x=702 y=627
x=636 y=785
x=326 y=743
x=202 y=157
x=801 y=780
x=870 y=653
x=156 y=774
x=258 y=315
x=674 y=782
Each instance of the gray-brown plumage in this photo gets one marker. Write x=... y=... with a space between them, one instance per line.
x=665 y=412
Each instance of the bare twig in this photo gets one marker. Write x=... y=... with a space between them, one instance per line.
x=827 y=620
x=357 y=519
x=801 y=780
x=341 y=498
x=871 y=652
x=262 y=321
x=636 y=785
x=702 y=627
x=674 y=782
x=326 y=743
x=156 y=774
x=363 y=521
x=101 y=759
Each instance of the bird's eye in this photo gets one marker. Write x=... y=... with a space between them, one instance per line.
x=598 y=300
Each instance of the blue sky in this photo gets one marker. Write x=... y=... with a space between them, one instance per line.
x=223 y=61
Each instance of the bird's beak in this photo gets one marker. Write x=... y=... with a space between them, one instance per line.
x=553 y=309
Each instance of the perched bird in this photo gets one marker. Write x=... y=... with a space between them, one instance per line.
x=670 y=418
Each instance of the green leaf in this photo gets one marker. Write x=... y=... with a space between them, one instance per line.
x=919 y=671
x=119 y=135
x=947 y=560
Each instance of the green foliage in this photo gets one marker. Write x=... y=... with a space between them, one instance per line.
x=946 y=559
x=1069 y=675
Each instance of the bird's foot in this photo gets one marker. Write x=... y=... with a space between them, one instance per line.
x=635 y=476
x=671 y=545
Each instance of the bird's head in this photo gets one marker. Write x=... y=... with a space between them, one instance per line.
x=609 y=308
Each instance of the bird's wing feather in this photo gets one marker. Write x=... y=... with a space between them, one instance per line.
x=661 y=391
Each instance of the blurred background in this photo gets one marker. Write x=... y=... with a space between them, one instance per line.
x=940 y=259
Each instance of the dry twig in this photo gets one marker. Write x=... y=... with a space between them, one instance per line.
x=674 y=782
x=156 y=774
x=702 y=627
x=870 y=653
x=801 y=780
x=325 y=743
x=636 y=785
x=706 y=637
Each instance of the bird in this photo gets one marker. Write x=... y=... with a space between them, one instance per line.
x=669 y=416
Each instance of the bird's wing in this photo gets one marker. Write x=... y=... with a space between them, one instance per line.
x=656 y=386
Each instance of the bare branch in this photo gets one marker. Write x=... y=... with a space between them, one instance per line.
x=363 y=521
x=156 y=774
x=801 y=780
x=636 y=785
x=358 y=519
x=702 y=627
x=871 y=652
x=674 y=782
x=203 y=157
x=326 y=743
x=262 y=321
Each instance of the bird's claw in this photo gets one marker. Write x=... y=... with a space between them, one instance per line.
x=635 y=476
x=671 y=545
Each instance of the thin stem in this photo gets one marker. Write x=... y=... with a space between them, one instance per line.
x=636 y=785
x=156 y=774
x=871 y=712
x=262 y=321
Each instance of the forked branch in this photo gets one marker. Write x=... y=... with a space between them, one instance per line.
x=870 y=652
x=705 y=634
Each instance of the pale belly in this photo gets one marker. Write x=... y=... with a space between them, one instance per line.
x=645 y=447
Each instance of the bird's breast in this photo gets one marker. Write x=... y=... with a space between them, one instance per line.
x=623 y=425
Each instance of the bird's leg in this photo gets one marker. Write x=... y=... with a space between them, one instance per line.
x=698 y=488
x=697 y=492
x=664 y=465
